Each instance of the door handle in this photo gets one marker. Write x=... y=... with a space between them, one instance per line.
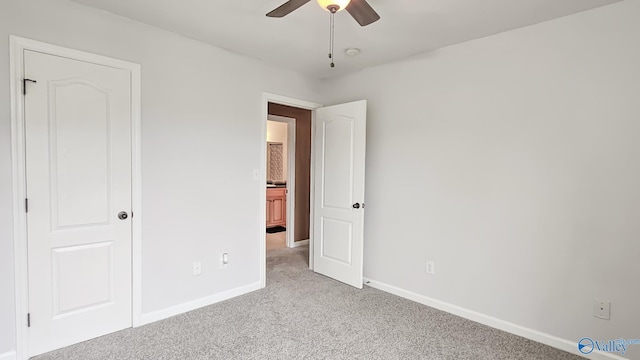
x=122 y=215
x=356 y=206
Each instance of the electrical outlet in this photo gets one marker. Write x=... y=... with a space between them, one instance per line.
x=197 y=268
x=431 y=267
x=602 y=309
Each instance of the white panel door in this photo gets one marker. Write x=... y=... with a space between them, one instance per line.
x=339 y=140
x=78 y=170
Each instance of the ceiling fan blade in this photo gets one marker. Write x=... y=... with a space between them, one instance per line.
x=362 y=12
x=286 y=8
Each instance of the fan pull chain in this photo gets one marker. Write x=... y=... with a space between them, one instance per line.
x=332 y=33
x=330 y=38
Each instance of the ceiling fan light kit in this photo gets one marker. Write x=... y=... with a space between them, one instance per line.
x=360 y=10
x=333 y=5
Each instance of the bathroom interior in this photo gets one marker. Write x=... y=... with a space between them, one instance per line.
x=288 y=165
x=277 y=172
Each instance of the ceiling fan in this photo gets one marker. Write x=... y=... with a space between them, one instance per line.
x=361 y=11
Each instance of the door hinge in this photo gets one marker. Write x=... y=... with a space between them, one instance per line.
x=26 y=205
x=29 y=320
x=24 y=85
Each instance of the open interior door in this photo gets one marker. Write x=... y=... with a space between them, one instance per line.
x=340 y=141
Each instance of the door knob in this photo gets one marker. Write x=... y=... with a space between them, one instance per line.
x=122 y=215
x=356 y=206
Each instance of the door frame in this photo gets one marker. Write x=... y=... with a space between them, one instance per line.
x=303 y=104
x=291 y=174
x=17 y=46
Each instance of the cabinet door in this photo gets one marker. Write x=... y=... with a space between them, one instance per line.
x=277 y=211
x=276 y=207
x=268 y=213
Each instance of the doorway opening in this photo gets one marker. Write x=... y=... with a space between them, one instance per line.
x=336 y=148
x=286 y=175
x=281 y=177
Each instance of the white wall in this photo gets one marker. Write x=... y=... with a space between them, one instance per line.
x=513 y=162
x=278 y=132
x=202 y=115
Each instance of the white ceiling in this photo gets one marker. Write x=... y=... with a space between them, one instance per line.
x=300 y=40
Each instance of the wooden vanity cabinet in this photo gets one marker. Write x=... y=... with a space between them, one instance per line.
x=276 y=207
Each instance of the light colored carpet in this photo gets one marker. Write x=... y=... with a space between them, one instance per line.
x=303 y=315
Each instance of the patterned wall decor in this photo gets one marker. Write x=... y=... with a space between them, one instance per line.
x=276 y=162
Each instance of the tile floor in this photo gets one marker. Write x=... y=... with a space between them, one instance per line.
x=277 y=240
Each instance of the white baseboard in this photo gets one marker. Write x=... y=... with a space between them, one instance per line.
x=300 y=243
x=547 y=339
x=11 y=355
x=196 y=304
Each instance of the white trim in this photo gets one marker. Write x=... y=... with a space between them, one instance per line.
x=289 y=101
x=291 y=174
x=312 y=189
x=279 y=118
x=11 y=355
x=136 y=194
x=17 y=46
x=18 y=177
x=262 y=238
x=300 y=243
x=537 y=336
x=291 y=182
x=198 y=303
